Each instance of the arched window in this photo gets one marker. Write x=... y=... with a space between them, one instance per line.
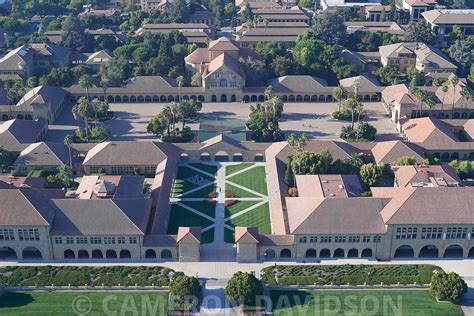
x=223 y=83
x=150 y=254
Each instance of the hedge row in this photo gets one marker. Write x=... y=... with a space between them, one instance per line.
x=348 y=274
x=79 y=276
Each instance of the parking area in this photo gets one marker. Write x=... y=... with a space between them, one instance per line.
x=131 y=120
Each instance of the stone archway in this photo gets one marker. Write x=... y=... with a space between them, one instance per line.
x=233 y=98
x=404 y=251
x=353 y=253
x=338 y=253
x=111 y=254
x=7 y=253
x=32 y=253
x=237 y=157
x=311 y=253
x=166 y=254
x=150 y=254
x=429 y=251
x=125 y=254
x=82 y=254
x=221 y=156
x=471 y=253
x=223 y=98
x=269 y=254
x=246 y=98
x=366 y=253
x=325 y=253
x=69 y=254
x=97 y=254
x=285 y=253
x=453 y=251
x=205 y=157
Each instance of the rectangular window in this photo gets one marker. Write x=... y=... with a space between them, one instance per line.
x=81 y=240
x=28 y=234
x=354 y=238
x=432 y=233
x=133 y=240
x=326 y=239
x=377 y=238
x=121 y=240
x=58 y=240
x=303 y=240
x=7 y=234
x=340 y=239
x=69 y=240
x=109 y=240
x=366 y=239
x=96 y=240
x=313 y=239
x=406 y=232
x=456 y=233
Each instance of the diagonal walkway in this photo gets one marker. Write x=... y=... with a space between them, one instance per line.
x=248 y=209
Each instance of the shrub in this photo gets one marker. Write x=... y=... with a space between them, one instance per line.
x=244 y=288
x=447 y=287
x=212 y=195
x=293 y=192
x=228 y=203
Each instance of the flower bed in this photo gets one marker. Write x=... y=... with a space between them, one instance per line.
x=348 y=274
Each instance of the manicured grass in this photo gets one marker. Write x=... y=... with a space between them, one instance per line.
x=229 y=236
x=208 y=236
x=258 y=217
x=234 y=168
x=181 y=185
x=383 y=302
x=205 y=167
x=70 y=303
x=202 y=193
x=238 y=207
x=237 y=192
x=182 y=217
x=205 y=207
x=254 y=179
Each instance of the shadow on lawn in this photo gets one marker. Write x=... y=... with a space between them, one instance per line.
x=12 y=299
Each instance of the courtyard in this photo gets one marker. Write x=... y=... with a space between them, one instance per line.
x=218 y=197
x=131 y=119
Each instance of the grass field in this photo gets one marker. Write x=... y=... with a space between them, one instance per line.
x=238 y=207
x=229 y=236
x=254 y=179
x=231 y=169
x=384 y=302
x=205 y=207
x=181 y=185
x=78 y=303
x=182 y=217
x=208 y=236
x=235 y=191
x=205 y=167
x=258 y=217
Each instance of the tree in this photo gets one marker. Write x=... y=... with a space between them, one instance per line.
x=158 y=125
x=85 y=82
x=419 y=31
x=115 y=71
x=263 y=122
x=180 y=81
x=62 y=179
x=282 y=66
x=244 y=288
x=447 y=287
x=184 y=289
x=298 y=143
x=404 y=161
x=388 y=76
x=454 y=81
x=75 y=37
x=255 y=70
x=329 y=26
x=6 y=159
x=463 y=53
x=196 y=79
x=470 y=78
x=305 y=162
x=83 y=109
x=68 y=140
x=179 y=11
x=370 y=174
x=306 y=3
x=340 y=94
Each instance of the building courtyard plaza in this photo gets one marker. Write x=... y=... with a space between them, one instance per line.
x=218 y=197
x=131 y=120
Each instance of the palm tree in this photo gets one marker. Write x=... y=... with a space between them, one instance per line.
x=68 y=141
x=269 y=92
x=355 y=161
x=454 y=82
x=180 y=81
x=96 y=106
x=444 y=88
x=466 y=94
x=105 y=84
x=85 y=83
x=166 y=112
x=356 y=86
x=340 y=94
x=83 y=109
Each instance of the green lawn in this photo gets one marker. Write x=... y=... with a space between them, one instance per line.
x=72 y=303
x=182 y=217
x=254 y=179
x=208 y=236
x=205 y=167
x=238 y=207
x=258 y=217
x=203 y=192
x=229 y=236
x=181 y=185
x=205 y=207
x=234 y=168
x=411 y=302
x=238 y=192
